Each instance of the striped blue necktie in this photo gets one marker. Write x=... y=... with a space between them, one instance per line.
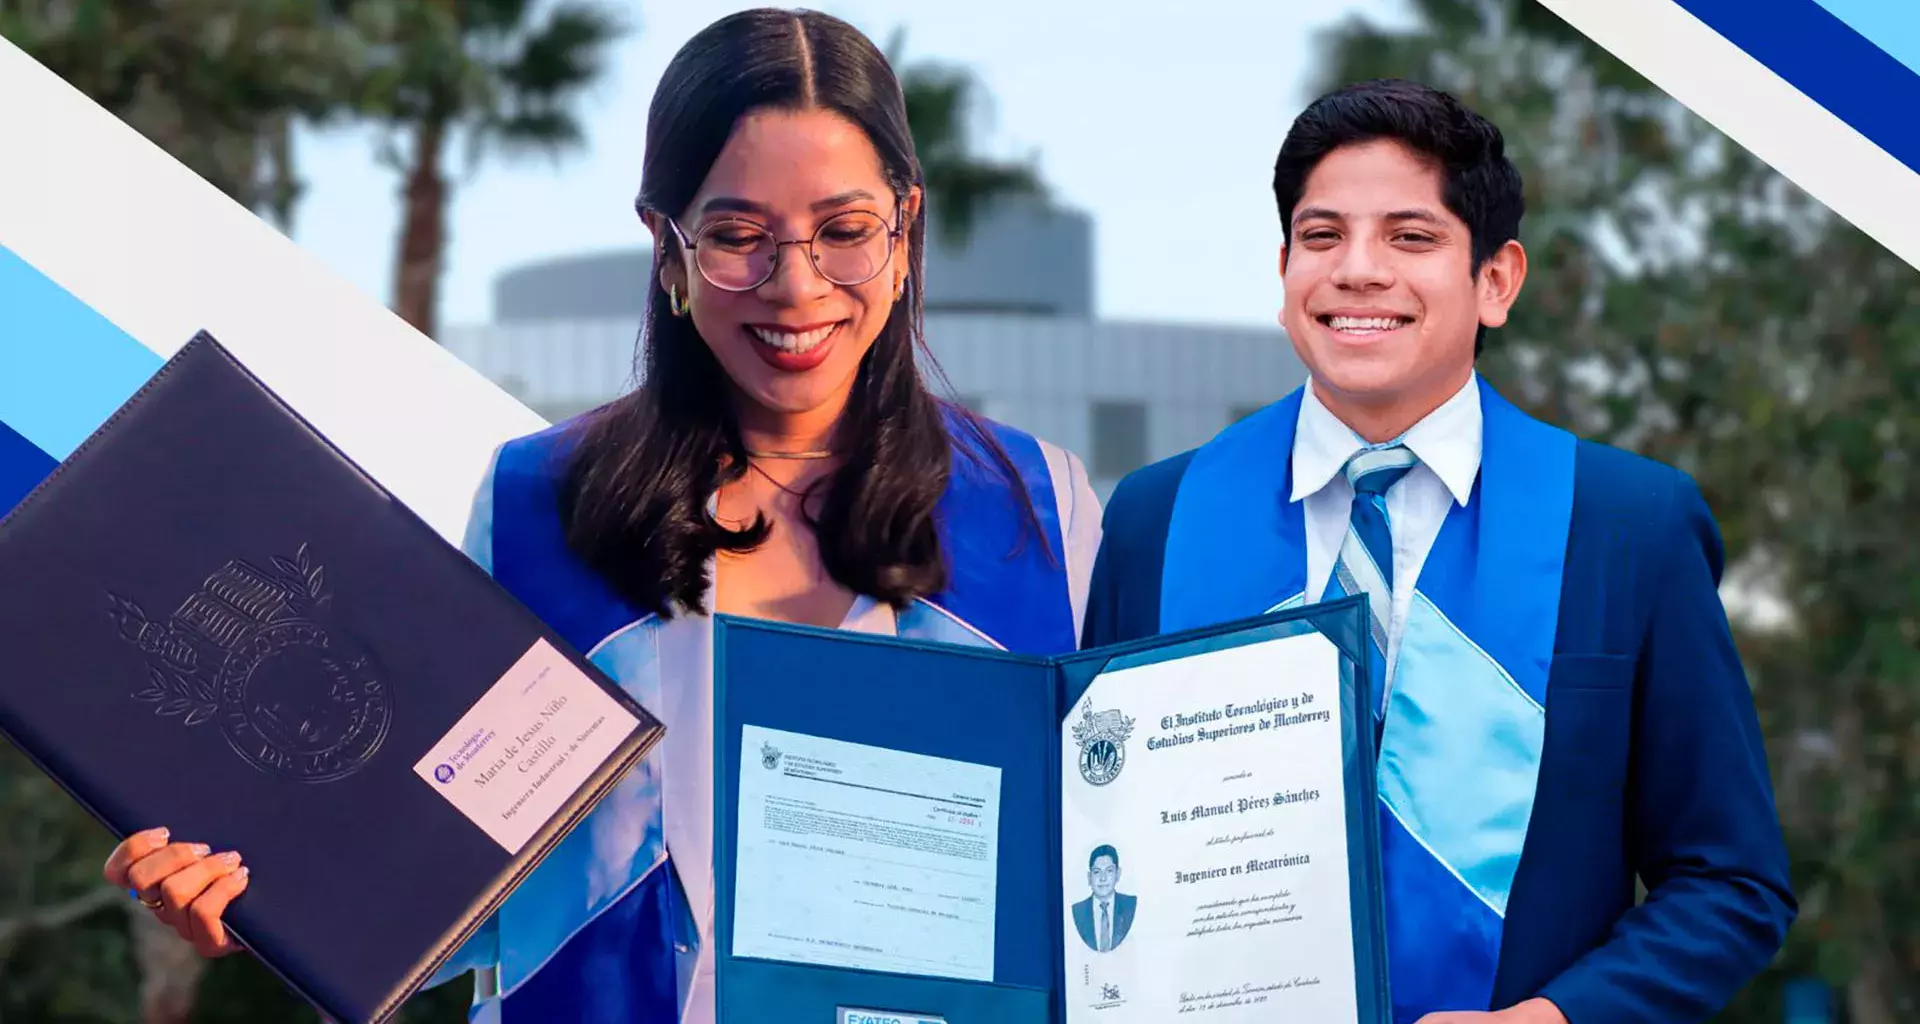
x=1365 y=565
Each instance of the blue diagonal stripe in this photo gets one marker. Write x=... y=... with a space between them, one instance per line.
x=1370 y=541
x=1833 y=65
x=1443 y=942
x=64 y=368
x=1370 y=525
x=1456 y=714
x=22 y=467
x=1892 y=25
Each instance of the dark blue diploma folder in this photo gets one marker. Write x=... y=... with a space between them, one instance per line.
x=211 y=620
x=987 y=707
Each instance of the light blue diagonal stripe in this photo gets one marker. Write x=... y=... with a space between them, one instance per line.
x=923 y=620
x=64 y=368
x=1891 y=25
x=1460 y=757
x=610 y=853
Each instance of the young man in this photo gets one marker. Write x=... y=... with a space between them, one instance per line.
x=1563 y=706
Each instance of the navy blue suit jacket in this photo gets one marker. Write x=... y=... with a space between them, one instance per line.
x=1123 y=904
x=1653 y=763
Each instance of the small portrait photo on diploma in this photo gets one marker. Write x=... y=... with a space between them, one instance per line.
x=1103 y=918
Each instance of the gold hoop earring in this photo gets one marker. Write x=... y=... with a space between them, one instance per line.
x=673 y=301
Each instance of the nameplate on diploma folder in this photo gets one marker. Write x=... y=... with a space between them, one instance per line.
x=215 y=622
x=1182 y=827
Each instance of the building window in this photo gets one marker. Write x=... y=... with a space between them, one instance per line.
x=1119 y=438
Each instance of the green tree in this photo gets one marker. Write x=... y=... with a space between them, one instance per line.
x=942 y=103
x=218 y=84
x=64 y=949
x=1686 y=301
x=503 y=75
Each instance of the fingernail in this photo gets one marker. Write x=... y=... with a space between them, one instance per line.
x=230 y=858
x=201 y=849
x=244 y=872
x=159 y=835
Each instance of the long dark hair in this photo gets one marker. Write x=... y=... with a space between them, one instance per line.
x=641 y=469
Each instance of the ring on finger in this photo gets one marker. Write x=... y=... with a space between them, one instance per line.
x=150 y=904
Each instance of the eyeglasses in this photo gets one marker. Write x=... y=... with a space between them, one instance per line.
x=738 y=256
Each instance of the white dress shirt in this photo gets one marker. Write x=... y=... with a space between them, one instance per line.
x=1447 y=442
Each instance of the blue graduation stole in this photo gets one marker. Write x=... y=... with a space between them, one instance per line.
x=1465 y=720
x=592 y=934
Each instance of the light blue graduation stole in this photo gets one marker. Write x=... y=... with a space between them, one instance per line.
x=592 y=934
x=1465 y=720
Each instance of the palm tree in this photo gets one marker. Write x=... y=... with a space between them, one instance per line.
x=960 y=184
x=499 y=74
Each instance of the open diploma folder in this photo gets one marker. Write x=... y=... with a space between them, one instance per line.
x=1178 y=828
x=215 y=622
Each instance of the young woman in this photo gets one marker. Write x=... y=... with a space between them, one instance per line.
x=782 y=458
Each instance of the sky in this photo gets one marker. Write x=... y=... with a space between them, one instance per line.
x=1160 y=120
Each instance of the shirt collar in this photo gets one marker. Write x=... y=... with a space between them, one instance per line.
x=1446 y=440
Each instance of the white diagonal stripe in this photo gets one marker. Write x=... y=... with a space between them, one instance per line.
x=1378 y=459
x=101 y=211
x=1344 y=584
x=1358 y=563
x=1755 y=107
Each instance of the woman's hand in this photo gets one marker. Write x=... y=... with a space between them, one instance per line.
x=186 y=886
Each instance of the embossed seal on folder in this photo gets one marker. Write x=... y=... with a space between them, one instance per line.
x=1103 y=744
x=288 y=701
x=253 y=651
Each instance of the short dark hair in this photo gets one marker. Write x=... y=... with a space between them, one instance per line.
x=1103 y=850
x=1479 y=184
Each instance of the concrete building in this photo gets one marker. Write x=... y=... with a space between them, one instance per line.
x=1009 y=321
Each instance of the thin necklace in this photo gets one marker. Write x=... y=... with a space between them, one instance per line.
x=820 y=453
x=802 y=495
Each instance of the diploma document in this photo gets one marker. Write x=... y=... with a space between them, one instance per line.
x=866 y=857
x=1204 y=831
x=1180 y=828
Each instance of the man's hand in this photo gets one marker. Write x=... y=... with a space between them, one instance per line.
x=1533 y=1011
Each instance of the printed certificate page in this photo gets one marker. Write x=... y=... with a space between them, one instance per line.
x=859 y=856
x=1205 y=841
